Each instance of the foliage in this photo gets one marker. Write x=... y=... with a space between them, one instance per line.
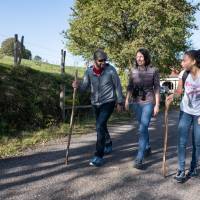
x=29 y=97
x=37 y=58
x=121 y=27
x=7 y=48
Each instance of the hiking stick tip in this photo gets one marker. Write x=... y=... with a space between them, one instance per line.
x=164 y=171
x=66 y=161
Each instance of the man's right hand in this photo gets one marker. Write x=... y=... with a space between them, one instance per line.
x=127 y=105
x=75 y=84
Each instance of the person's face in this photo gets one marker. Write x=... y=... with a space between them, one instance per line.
x=140 y=59
x=187 y=62
x=100 y=63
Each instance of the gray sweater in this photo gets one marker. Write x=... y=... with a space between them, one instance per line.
x=104 y=88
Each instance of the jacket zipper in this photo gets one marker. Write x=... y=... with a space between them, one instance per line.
x=99 y=87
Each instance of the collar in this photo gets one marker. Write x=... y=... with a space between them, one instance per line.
x=97 y=71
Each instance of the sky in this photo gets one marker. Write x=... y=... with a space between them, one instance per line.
x=42 y=22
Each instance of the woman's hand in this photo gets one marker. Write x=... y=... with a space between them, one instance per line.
x=156 y=110
x=169 y=99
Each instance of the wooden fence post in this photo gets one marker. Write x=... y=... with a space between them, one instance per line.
x=18 y=50
x=62 y=85
x=21 y=46
x=15 y=49
x=63 y=55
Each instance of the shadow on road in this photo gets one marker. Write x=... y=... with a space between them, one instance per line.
x=26 y=169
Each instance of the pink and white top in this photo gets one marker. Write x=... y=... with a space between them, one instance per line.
x=191 y=100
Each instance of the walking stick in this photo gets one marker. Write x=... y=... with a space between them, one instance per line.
x=164 y=165
x=71 y=121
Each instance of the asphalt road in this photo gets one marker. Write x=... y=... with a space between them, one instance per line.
x=42 y=174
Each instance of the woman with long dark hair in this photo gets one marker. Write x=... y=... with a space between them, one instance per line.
x=143 y=96
x=189 y=83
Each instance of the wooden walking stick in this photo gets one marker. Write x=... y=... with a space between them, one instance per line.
x=164 y=165
x=71 y=120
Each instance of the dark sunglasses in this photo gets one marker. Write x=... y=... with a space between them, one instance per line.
x=102 y=60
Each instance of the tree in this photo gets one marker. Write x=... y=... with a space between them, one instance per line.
x=121 y=27
x=27 y=54
x=7 y=48
x=37 y=58
x=1 y=54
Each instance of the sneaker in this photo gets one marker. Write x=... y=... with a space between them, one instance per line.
x=180 y=176
x=147 y=152
x=138 y=164
x=108 y=148
x=96 y=161
x=192 y=173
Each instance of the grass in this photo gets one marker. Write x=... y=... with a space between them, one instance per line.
x=29 y=103
x=30 y=139
x=43 y=67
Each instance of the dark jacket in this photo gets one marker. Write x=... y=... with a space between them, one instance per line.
x=104 y=88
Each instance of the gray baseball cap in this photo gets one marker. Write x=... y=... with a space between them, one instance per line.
x=100 y=55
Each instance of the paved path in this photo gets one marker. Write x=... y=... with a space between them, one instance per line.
x=41 y=173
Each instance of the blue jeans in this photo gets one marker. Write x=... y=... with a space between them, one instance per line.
x=143 y=114
x=102 y=114
x=186 y=121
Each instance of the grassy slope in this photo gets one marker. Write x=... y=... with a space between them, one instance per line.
x=29 y=104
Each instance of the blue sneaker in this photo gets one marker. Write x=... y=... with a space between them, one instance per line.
x=180 y=176
x=96 y=161
x=192 y=173
x=147 y=152
x=138 y=164
x=108 y=148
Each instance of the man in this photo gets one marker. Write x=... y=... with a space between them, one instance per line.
x=106 y=91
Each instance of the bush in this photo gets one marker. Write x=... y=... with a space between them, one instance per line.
x=29 y=99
